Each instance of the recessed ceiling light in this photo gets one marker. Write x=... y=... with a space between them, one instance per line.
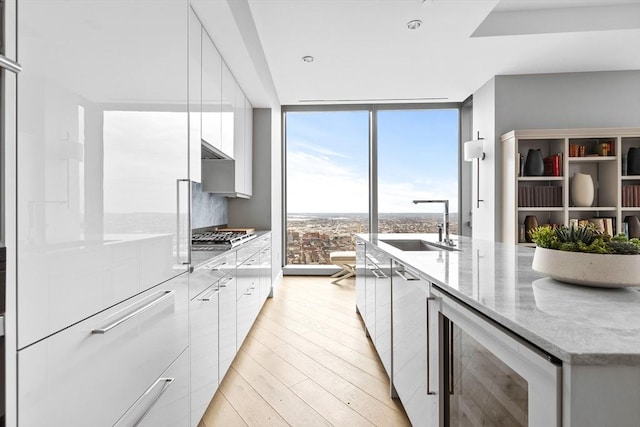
x=308 y=58
x=414 y=25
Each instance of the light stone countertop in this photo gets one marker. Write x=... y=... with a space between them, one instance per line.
x=579 y=325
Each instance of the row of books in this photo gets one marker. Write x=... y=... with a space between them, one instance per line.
x=631 y=196
x=539 y=196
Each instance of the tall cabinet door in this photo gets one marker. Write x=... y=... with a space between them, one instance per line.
x=195 y=96
x=211 y=94
x=102 y=156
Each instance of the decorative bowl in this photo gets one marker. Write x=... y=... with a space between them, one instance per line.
x=579 y=268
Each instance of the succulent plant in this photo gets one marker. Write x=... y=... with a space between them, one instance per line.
x=584 y=234
x=584 y=238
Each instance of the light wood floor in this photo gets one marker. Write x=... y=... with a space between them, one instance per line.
x=306 y=362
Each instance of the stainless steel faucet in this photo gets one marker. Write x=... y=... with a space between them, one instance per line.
x=447 y=240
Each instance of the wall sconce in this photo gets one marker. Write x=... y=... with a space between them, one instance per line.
x=474 y=150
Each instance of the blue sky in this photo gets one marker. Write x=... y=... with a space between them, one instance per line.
x=327 y=160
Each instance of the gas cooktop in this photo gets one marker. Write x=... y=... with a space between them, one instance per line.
x=216 y=240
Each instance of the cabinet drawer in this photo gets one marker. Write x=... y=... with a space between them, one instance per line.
x=203 y=344
x=207 y=274
x=92 y=372
x=166 y=402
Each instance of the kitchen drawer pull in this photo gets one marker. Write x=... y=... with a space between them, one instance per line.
x=250 y=262
x=429 y=392
x=379 y=274
x=223 y=282
x=372 y=259
x=217 y=266
x=209 y=296
x=407 y=276
x=156 y=301
x=9 y=65
x=166 y=383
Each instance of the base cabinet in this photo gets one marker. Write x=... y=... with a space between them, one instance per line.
x=203 y=344
x=91 y=373
x=227 y=324
x=381 y=270
x=412 y=347
x=166 y=402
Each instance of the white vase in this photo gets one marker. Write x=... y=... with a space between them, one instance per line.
x=581 y=190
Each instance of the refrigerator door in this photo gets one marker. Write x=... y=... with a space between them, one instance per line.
x=103 y=201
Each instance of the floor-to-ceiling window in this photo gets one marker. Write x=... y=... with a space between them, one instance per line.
x=327 y=183
x=417 y=160
x=335 y=188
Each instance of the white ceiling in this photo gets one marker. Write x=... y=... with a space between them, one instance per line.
x=365 y=53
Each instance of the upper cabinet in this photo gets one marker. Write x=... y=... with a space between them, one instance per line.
x=212 y=96
x=222 y=120
x=542 y=173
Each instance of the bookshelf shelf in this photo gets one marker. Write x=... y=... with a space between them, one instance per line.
x=607 y=172
x=541 y=178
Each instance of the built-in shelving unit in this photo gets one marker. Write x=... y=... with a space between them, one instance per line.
x=600 y=153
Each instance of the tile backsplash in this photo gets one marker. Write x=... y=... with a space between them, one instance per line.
x=207 y=209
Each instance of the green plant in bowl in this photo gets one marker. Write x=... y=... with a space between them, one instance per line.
x=584 y=238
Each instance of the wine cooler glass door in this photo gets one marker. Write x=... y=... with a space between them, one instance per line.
x=490 y=377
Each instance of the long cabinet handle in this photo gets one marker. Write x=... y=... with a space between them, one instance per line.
x=223 y=282
x=406 y=276
x=216 y=267
x=429 y=392
x=209 y=295
x=165 y=382
x=379 y=274
x=9 y=65
x=187 y=236
x=154 y=302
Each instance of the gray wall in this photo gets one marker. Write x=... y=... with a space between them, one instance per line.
x=549 y=101
x=256 y=211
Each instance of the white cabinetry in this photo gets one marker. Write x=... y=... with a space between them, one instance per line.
x=93 y=371
x=548 y=197
x=203 y=343
x=411 y=347
x=226 y=324
x=380 y=267
x=248 y=296
x=166 y=402
x=195 y=96
x=100 y=142
x=212 y=97
x=361 y=272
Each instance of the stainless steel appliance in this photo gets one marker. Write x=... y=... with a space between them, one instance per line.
x=219 y=239
x=489 y=376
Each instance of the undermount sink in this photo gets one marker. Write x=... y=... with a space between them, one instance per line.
x=418 y=245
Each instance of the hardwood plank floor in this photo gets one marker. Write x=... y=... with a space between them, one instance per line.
x=306 y=362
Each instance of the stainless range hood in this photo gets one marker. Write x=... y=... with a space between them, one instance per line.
x=210 y=152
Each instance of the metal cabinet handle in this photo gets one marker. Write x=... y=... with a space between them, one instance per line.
x=209 y=296
x=379 y=274
x=250 y=262
x=372 y=259
x=166 y=383
x=187 y=236
x=154 y=302
x=406 y=275
x=217 y=266
x=223 y=282
x=451 y=375
x=9 y=65
x=429 y=392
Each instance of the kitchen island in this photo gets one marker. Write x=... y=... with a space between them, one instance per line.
x=585 y=340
